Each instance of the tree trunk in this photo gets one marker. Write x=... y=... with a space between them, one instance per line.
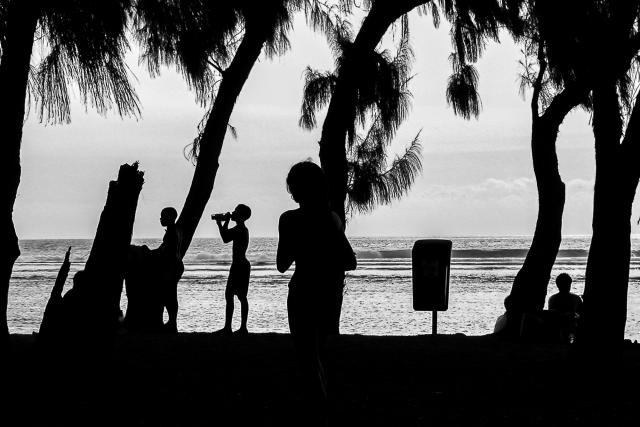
x=107 y=260
x=14 y=76
x=233 y=80
x=529 y=290
x=607 y=274
x=93 y=312
x=341 y=111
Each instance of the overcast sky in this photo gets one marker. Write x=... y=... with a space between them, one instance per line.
x=477 y=180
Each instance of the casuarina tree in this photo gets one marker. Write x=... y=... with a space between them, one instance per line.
x=596 y=43
x=554 y=95
x=382 y=103
x=472 y=24
x=369 y=85
x=614 y=41
x=215 y=46
x=80 y=43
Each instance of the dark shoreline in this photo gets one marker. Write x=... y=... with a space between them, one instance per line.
x=207 y=379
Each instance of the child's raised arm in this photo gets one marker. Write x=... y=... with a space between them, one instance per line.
x=225 y=233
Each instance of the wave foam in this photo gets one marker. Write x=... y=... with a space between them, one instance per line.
x=472 y=253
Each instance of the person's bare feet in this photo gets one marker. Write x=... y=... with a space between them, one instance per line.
x=223 y=331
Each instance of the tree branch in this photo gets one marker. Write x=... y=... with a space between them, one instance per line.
x=564 y=102
x=215 y=65
x=631 y=142
x=537 y=85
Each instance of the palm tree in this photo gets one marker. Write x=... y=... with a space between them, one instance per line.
x=82 y=42
x=215 y=45
x=383 y=100
x=553 y=97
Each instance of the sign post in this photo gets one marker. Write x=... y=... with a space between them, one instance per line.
x=431 y=262
x=434 y=323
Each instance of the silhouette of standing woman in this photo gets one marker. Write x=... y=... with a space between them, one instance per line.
x=312 y=236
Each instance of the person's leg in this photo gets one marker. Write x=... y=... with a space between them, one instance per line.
x=172 y=311
x=313 y=376
x=242 y=289
x=305 y=341
x=228 y=296
x=244 y=312
x=171 y=303
x=322 y=357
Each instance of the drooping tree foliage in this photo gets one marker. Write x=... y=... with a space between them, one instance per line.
x=215 y=45
x=345 y=91
x=77 y=44
x=369 y=85
x=382 y=103
x=375 y=181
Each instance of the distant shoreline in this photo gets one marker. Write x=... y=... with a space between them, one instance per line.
x=479 y=236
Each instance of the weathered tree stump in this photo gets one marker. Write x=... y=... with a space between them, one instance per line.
x=107 y=262
x=90 y=310
x=145 y=305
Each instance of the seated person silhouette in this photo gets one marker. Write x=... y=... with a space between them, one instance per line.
x=170 y=265
x=501 y=321
x=567 y=305
x=238 y=281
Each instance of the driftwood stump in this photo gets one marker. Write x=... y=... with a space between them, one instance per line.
x=107 y=261
x=145 y=304
x=90 y=310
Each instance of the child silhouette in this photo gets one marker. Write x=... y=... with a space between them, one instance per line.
x=238 y=281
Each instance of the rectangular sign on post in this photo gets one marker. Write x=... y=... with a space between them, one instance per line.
x=431 y=261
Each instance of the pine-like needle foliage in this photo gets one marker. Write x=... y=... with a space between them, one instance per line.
x=473 y=24
x=373 y=181
x=318 y=88
x=562 y=40
x=200 y=37
x=382 y=101
x=79 y=43
x=545 y=79
x=381 y=84
x=381 y=93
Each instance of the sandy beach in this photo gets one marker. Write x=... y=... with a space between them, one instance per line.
x=207 y=379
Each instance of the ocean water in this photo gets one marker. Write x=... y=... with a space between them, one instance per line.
x=378 y=299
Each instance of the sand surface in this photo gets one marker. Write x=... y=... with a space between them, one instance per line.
x=206 y=379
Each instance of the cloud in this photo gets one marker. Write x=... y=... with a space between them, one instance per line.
x=488 y=189
x=498 y=189
x=580 y=186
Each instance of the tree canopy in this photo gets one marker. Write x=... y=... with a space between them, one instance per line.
x=83 y=44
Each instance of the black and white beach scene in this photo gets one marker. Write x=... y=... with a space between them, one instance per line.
x=320 y=212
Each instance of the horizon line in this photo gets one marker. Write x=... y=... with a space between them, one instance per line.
x=454 y=236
